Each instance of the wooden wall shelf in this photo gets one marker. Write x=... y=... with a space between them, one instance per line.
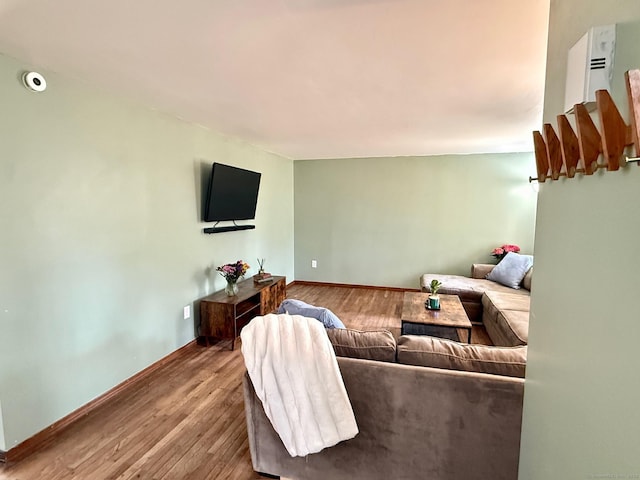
x=578 y=151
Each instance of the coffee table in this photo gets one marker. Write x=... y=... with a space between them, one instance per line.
x=418 y=320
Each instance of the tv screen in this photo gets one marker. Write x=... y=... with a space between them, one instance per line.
x=233 y=194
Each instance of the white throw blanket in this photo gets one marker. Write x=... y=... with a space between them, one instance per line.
x=295 y=374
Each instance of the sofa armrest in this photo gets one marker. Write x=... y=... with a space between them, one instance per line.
x=481 y=270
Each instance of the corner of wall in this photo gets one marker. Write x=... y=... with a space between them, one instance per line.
x=3 y=445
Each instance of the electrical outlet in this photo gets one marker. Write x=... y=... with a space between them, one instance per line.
x=314 y=264
x=187 y=312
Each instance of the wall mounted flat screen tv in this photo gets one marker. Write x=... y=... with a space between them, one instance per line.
x=232 y=195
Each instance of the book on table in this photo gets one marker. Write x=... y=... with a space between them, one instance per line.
x=262 y=277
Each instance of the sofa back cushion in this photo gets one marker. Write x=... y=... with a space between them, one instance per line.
x=371 y=345
x=440 y=353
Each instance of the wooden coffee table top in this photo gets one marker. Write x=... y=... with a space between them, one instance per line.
x=451 y=313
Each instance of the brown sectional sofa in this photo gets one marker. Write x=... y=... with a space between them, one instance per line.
x=504 y=311
x=425 y=408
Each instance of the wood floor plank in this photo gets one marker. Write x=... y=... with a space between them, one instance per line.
x=186 y=420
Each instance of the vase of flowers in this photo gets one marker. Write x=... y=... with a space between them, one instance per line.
x=232 y=272
x=231 y=288
x=500 y=252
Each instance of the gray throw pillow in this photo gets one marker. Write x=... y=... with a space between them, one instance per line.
x=298 y=307
x=511 y=270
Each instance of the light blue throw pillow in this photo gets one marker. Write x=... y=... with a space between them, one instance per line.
x=298 y=307
x=511 y=270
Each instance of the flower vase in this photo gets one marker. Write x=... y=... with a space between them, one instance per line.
x=231 y=289
x=434 y=302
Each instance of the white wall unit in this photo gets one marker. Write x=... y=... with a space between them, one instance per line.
x=590 y=66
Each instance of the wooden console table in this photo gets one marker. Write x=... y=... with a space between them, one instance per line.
x=222 y=317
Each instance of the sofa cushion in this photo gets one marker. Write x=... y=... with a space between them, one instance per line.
x=298 y=307
x=494 y=301
x=466 y=288
x=481 y=270
x=511 y=270
x=509 y=328
x=440 y=353
x=526 y=281
x=506 y=318
x=370 y=345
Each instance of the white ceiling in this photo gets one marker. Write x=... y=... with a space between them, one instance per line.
x=307 y=78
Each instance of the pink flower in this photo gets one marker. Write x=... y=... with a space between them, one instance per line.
x=501 y=252
x=232 y=272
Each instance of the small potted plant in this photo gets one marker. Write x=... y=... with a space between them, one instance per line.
x=434 y=298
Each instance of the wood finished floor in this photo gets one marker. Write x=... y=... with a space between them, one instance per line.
x=186 y=420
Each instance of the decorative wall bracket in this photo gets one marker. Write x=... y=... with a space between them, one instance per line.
x=578 y=151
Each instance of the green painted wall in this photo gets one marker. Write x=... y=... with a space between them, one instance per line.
x=101 y=244
x=386 y=221
x=582 y=392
